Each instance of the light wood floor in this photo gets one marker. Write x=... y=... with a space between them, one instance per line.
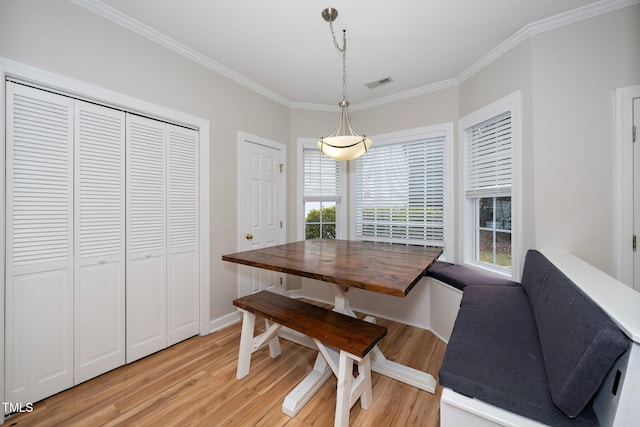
x=193 y=383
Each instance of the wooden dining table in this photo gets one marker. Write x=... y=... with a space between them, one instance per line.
x=390 y=269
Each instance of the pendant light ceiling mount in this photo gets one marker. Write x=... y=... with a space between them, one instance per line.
x=343 y=143
x=330 y=14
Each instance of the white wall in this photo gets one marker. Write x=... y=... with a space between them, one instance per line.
x=576 y=70
x=60 y=37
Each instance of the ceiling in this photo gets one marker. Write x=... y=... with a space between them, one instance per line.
x=284 y=48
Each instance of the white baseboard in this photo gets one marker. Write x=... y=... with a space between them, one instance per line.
x=224 y=321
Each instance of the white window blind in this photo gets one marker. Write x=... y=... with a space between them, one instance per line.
x=321 y=176
x=489 y=158
x=400 y=192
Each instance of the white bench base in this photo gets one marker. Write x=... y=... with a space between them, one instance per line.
x=457 y=410
x=340 y=363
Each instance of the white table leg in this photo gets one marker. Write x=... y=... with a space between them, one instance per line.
x=402 y=373
x=379 y=363
x=300 y=395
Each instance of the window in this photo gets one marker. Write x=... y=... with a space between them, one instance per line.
x=490 y=147
x=401 y=188
x=322 y=182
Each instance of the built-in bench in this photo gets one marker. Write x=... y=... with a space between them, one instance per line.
x=460 y=276
x=538 y=353
x=341 y=339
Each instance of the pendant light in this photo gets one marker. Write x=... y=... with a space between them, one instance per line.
x=343 y=143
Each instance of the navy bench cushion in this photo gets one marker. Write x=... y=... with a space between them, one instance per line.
x=494 y=355
x=580 y=343
x=460 y=276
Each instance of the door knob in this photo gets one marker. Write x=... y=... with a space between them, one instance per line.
x=248 y=236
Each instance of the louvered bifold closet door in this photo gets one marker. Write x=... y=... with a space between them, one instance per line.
x=99 y=289
x=39 y=246
x=182 y=262
x=146 y=237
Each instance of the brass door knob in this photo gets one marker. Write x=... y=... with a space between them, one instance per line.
x=248 y=236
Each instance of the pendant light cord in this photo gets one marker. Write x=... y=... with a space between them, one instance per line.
x=342 y=50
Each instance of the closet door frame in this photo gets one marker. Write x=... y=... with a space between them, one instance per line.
x=81 y=90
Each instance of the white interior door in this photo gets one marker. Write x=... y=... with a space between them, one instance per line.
x=99 y=282
x=39 y=245
x=146 y=237
x=636 y=194
x=261 y=208
x=182 y=252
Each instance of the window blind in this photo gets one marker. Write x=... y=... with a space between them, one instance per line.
x=400 y=192
x=321 y=175
x=489 y=158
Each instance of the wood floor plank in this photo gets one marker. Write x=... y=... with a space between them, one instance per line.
x=193 y=383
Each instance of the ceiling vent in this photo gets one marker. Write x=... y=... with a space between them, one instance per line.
x=380 y=82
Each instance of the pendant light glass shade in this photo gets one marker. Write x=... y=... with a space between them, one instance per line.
x=344 y=143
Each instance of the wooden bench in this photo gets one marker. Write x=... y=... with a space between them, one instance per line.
x=341 y=340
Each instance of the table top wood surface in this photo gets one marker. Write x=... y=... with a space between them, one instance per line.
x=385 y=268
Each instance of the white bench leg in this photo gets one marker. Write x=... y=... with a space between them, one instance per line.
x=246 y=344
x=345 y=379
x=274 y=343
x=250 y=344
x=364 y=369
x=348 y=389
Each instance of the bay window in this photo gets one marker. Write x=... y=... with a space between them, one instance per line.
x=322 y=181
x=402 y=186
x=490 y=141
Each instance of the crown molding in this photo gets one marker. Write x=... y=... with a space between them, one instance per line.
x=314 y=107
x=580 y=14
x=423 y=90
x=139 y=28
x=526 y=32
x=445 y=84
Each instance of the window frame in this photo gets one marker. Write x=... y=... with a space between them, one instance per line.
x=341 y=206
x=467 y=213
x=447 y=131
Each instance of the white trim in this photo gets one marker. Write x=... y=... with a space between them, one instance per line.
x=225 y=321
x=408 y=94
x=3 y=144
x=553 y=22
x=623 y=184
x=83 y=90
x=562 y=19
x=341 y=219
x=512 y=103
x=161 y=39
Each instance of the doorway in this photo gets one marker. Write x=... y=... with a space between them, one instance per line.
x=636 y=192
x=627 y=187
x=261 y=208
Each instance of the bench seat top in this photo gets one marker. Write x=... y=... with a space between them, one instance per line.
x=355 y=336
x=494 y=355
x=460 y=276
